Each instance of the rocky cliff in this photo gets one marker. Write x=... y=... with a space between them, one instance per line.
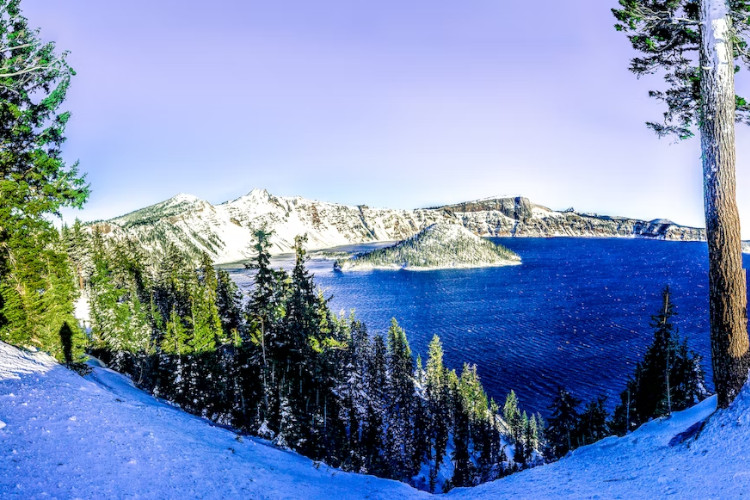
x=225 y=231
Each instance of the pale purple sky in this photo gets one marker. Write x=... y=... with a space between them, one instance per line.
x=392 y=103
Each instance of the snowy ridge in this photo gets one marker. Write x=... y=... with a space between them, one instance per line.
x=439 y=246
x=225 y=231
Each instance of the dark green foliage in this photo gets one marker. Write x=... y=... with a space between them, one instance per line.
x=36 y=283
x=593 y=424
x=669 y=378
x=563 y=424
x=667 y=36
x=288 y=369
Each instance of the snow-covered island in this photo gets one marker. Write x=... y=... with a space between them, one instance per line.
x=438 y=246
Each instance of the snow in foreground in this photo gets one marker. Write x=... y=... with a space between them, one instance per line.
x=662 y=458
x=63 y=436
x=99 y=437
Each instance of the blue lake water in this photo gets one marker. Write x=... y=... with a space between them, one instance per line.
x=575 y=313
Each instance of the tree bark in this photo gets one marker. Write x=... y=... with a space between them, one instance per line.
x=727 y=286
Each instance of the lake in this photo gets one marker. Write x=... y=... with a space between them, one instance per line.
x=576 y=313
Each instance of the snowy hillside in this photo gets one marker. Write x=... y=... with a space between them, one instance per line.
x=63 y=436
x=661 y=459
x=225 y=231
x=439 y=246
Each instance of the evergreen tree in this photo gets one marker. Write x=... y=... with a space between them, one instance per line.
x=512 y=416
x=399 y=440
x=668 y=378
x=438 y=406
x=463 y=468
x=229 y=305
x=36 y=290
x=694 y=44
x=37 y=293
x=593 y=424
x=564 y=422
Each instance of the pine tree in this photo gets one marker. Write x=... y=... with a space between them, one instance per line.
x=373 y=437
x=35 y=294
x=463 y=468
x=438 y=406
x=564 y=422
x=229 y=305
x=399 y=440
x=694 y=44
x=420 y=419
x=512 y=416
x=593 y=424
x=668 y=378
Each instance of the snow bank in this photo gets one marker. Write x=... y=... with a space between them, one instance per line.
x=662 y=458
x=100 y=437
x=71 y=437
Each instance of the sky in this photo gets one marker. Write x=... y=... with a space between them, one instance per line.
x=394 y=103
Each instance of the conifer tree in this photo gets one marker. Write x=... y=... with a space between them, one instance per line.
x=438 y=405
x=373 y=438
x=463 y=469
x=593 y=424
x=694 y=44
x=563 y=423
x=512 y=416
x=668 y=378
x=229 y=304
x=400 y=399
x=35 y=182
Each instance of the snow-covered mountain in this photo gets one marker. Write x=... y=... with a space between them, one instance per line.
x=439 y=246
x=225 y=231
x=64 y=436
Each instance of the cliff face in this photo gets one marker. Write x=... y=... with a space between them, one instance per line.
x=519 y=217
x=225 y=231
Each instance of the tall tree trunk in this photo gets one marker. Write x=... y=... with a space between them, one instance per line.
x=727 y=288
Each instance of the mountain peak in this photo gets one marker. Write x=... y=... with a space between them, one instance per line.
x=184 y=198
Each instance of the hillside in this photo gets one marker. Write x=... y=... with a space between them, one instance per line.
x=439 y=246
x=225 y=231
x=63 y=436
x=661 y=459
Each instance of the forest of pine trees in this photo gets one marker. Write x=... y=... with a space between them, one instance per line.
x=279 y=364
x=668 y=378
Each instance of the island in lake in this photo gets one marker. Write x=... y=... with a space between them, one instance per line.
x=438 y=246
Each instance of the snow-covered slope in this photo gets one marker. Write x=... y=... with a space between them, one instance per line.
x=439 y=246
x=63 y=436
x=225 y=231
x=661 y=459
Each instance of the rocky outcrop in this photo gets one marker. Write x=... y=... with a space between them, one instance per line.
x=225 y=231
